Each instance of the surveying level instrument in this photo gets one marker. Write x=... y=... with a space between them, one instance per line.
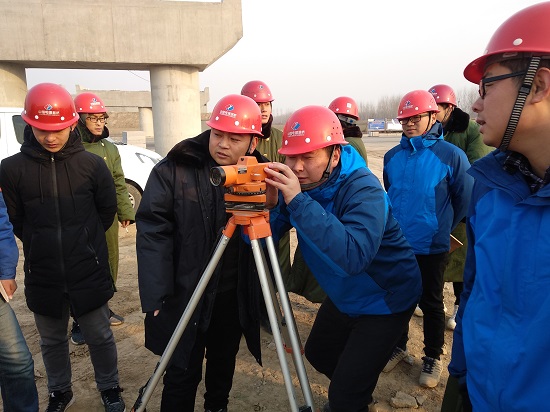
x=245 y=201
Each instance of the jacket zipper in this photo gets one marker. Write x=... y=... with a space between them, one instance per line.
x=58 y=219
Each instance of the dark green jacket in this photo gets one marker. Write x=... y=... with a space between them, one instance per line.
x=109 y=152
x=268 y=147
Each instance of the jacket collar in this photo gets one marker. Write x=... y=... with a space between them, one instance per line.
x=32 y=148
x=350 y=161
x=489 y=170
x=426 y=140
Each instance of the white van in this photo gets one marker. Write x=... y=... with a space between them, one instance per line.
x=137 y=162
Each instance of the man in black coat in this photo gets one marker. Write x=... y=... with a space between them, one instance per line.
x=178 y=222
x=60 y=201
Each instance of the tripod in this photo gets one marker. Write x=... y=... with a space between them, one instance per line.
x=256 y=226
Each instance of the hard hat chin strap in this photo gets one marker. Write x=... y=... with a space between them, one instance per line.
x=523 y=92
x=324 y=177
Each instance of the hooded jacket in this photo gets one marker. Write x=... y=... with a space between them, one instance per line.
x=429 y=189
x=351 y=241
x=501 y=339
x=60 y=205
x=109 y=152
x=178 y=221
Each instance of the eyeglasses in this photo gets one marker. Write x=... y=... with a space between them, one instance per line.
x=413 y=119
x=483 y=82
x=94 y=119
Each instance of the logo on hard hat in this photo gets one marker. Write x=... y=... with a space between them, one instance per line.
x=407 y=105
x=48 y=111
x=295 y=130
x=433 y=91
x=94 y=102
x=228 y=111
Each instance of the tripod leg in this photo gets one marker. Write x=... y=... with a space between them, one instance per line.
x=280 y=316
x=256 y=250
x=182 y=324
x=290 y=324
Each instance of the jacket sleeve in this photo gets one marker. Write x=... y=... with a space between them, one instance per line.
x=12 y=201
x=457 y=366
x=461 y=184
x=9 y=253
x=105 y=195
x=125 y=211
x=155 y=239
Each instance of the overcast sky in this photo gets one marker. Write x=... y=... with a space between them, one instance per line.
x=312 y=51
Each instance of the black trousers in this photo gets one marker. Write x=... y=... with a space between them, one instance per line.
x=432 y=268
x=351 y=352
x=220 y=345
x=458 y=287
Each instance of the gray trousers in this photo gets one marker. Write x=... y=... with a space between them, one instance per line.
x=54 y=345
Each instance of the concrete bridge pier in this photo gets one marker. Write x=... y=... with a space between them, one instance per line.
x=14 y=84
x=146 y=122
x=175 y=99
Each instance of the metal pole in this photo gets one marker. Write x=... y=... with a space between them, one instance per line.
x=256 y=250
x=182 y=324
x=291 y=325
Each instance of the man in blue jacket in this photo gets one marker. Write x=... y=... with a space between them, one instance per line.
x=16 y=365
x=355 y=249
x=429 y=189
x=500 y=346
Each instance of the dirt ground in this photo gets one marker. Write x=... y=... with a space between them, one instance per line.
x=255 y=388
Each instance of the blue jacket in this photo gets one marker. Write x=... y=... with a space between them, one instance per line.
x=429 y=189
x=502 y=336
x=9 y=253
x=351 y=241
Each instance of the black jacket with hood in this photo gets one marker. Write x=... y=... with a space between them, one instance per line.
x=179 y=219
x=60 y=205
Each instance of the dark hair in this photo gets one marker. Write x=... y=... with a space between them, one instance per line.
x=517 y=64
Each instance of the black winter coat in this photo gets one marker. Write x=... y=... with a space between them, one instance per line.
x=60 y=205
x=178 y=222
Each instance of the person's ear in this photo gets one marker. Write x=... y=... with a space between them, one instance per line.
x=541 y=85
x=253 y=144
x=336 y=155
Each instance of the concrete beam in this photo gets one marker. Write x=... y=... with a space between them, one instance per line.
x=117 y=34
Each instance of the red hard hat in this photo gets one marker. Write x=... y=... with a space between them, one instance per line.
x=346 y=106
x=236 y=114
x=443 y=94
x=311 y=128
x=50 y=107
x=257 y=91
x=89 y=103
x=527 y=31
x=416 y=102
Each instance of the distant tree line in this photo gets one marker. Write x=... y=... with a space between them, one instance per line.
x=386 y=107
